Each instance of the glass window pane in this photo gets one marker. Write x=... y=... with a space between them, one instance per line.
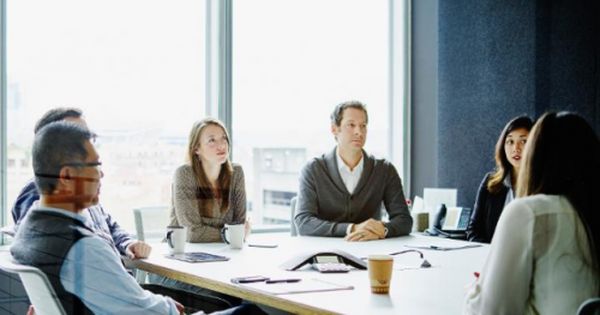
x=136 y=68
x=293 y=62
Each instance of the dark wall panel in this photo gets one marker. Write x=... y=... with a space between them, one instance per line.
x=567 y=50
x=486 y=66
x=500 y=59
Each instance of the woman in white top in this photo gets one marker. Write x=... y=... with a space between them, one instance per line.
x=545 y=251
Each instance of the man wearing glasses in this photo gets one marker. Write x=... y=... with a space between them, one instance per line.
x=99 y=220
x=85 y=272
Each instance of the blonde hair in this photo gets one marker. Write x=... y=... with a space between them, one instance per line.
x=204 y=192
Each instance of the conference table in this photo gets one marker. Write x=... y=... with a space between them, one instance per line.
x=439 y=289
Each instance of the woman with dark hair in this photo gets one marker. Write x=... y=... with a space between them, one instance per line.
x=545 y=254
x=498 y=188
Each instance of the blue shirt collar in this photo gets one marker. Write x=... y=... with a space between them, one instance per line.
x=69 y=214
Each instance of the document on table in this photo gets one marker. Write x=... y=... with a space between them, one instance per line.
x=303 y=286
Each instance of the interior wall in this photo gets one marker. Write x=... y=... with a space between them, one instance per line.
x=424 y=95
x=495 y=60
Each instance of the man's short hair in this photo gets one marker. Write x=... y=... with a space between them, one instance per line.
x=54 y=145
x=338 y=112
x=57 y=114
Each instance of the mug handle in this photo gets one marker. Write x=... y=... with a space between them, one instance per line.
x=223 y=235
x=169 y=241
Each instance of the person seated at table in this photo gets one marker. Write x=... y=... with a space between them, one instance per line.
x=85 y=272
x=544 y=257
x=341 y=192
x=208 y=191
x=498 y=188
x=98 y=218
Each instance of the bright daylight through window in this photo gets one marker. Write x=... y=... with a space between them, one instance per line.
x=138 y=69
x=135 y=68
x=293 y=61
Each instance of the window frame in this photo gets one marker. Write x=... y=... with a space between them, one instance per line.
x=3 y=121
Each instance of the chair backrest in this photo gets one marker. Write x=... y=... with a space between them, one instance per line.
x=38 y=288
x=293 y=227
x=590 y=307
x=151 y=222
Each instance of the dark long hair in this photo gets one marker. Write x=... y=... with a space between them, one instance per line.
x=503 y=166
x=204 y=192
x=562 y=157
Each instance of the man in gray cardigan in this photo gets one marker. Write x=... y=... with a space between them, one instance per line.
x=341 y=193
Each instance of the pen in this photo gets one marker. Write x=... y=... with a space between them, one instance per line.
x=263 y=245
x=282 y=281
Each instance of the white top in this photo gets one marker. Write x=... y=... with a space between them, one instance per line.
x=349 y=177
x=539 y=261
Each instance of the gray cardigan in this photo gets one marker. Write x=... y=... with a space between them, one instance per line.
x=326 y=208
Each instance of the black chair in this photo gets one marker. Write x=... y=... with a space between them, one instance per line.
x=590 y=307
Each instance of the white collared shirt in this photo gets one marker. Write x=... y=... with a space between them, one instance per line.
x=349 y=177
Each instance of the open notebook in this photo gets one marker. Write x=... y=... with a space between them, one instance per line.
x=304 y=286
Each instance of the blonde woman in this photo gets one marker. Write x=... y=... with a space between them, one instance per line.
x=208 y=191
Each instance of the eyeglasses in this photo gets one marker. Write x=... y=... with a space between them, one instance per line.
x=75 y=164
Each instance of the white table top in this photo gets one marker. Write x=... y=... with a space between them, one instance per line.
x=437 y=290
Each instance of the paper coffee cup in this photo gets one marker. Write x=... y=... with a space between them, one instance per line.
x=380 y=273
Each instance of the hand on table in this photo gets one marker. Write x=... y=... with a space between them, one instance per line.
x=138 y=249
x=365 y=231
x=361 y=236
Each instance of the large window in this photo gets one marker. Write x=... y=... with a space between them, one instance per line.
x=136 y=69
x=293 y=61
x=144 y=70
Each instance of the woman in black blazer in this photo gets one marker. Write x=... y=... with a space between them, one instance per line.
x=498 y=187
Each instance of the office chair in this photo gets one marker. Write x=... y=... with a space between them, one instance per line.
x=151 y=223
x=293 y=227
x=38 y=288
x=590 y=307
x=150 y=226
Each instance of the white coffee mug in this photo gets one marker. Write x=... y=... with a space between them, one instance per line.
x=176 y=239
x=234 y=235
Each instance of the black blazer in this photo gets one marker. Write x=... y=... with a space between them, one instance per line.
x=486 y=212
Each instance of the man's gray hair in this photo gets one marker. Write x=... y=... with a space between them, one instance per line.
x=57 y=114
x=54 y=145
x=338 y=112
